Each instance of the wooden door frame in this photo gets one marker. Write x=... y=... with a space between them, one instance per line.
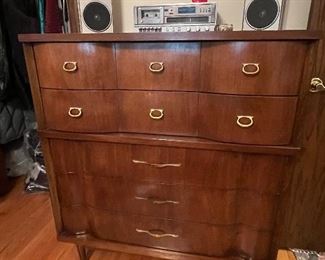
x=301 y=215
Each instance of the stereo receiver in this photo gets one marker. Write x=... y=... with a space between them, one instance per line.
x=175 y=17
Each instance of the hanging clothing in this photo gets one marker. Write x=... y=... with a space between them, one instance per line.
x=16 y=16
x=53 y=17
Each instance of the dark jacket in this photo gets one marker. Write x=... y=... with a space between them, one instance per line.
x=16 y=16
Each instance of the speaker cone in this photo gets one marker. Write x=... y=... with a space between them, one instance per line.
x=97 y=17
x=262 y=14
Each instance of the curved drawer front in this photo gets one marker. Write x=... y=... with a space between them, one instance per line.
x=215 y=206
x=252 y=68
x=158 y=112
x=76 y=65
x=80 y=111
x=247 y=120
x=205 y=239
x=165 y=190
x=172 y=166
x=158 y=66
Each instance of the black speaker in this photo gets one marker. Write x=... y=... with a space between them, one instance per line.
x=263 y=14
x=95 y=16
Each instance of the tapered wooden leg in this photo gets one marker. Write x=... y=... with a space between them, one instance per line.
x=82 y=252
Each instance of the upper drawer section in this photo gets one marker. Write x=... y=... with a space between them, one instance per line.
x=80 y=111
x=252 y=68
x=158 y=66
x=76 y=65
x=158 y=112
x=247 y=120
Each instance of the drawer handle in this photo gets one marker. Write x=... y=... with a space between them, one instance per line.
x=317 y=85
x=158 y=165
x=151 y=233
x=254 y=72
x=245 y=125
x=156 y=114
x=156 y=66
x=159 y=202
x=75 y=112
x=70 y=66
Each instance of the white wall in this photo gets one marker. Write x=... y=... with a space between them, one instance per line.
x=229 y=11
x=296 y=14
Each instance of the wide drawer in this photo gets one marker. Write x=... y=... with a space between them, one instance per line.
x=76 y=65
x=157 y=112
x=252 y=68
x=179 y=202
x=158 y=66
x=80 y=111
x=247 y=120
x=163 y=165
x=211 y=240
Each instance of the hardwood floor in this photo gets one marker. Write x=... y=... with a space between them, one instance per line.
x=27 y=230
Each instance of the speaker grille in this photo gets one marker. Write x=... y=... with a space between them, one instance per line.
x=97 y=17
x=262 y=14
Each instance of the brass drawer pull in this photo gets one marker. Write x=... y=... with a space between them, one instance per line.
x=155 y=201
x=317 y=85
x=158 y=165
x=156 y=114
x=245 y=125
x=75 y=112
x=254 y=72
x=151 y=233
x=156 y=66
x=70 y=66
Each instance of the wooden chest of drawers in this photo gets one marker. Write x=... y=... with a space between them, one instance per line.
x=177 y=146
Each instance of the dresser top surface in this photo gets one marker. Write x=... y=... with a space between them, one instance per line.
x=186 y=36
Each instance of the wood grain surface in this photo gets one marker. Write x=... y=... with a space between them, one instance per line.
x=159 y=166
x=73 y=13
x=95 y=65
x=179 y=112
x=301 y=222
x=280 y=67
x=174 y=141
x=227 y=188
x=186 y=36
x=181 y=66
x=272 y=119
x=99 y=111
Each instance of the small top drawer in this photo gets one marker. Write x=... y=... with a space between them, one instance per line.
x=76 y=65
x=252 y=68
x=158 y=66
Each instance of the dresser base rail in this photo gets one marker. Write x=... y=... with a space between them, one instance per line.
x=86 y=242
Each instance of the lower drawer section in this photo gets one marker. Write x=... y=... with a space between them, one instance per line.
x=184 y=203
x=207 y=202
x=180 y=236
x=211 y=240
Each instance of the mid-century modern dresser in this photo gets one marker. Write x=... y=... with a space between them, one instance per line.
x=170 y=145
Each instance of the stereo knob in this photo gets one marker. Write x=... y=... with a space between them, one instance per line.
x=188 y=29
x=198 y=29
x=207 y=28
